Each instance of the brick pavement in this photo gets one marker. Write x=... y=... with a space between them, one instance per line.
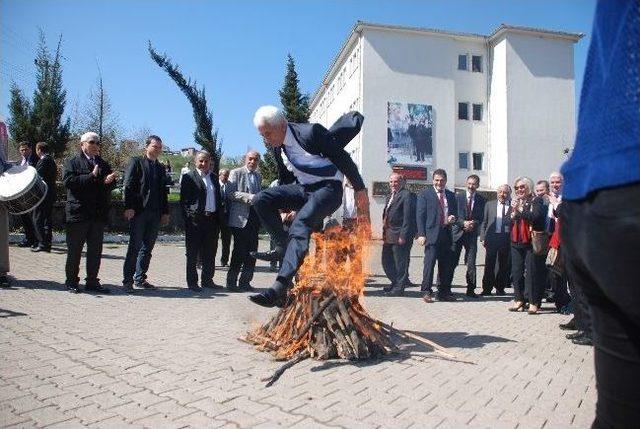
x=169 y=358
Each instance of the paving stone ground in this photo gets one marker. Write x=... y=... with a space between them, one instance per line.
x=171 y=359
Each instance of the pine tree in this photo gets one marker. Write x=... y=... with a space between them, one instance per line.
x=295 y=104
x=20 y=125
x=268 y=167
x=203 y=134
x=49 y=99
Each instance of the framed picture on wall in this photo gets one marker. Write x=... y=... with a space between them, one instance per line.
x=409 y=134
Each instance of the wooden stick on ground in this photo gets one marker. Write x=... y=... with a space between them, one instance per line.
x=276 y=375
x=317 y=314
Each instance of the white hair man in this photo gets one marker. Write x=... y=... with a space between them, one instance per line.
x=315 y=159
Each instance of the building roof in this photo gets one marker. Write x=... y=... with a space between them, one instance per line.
x=497 y=33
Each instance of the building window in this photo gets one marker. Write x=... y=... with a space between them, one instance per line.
x=476 y=63
x=462 y=62
x=477 y=160
x=463 y=160
x=477 y=112
x=463 y=110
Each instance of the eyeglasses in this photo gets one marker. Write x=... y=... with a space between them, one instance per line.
x=93 y=142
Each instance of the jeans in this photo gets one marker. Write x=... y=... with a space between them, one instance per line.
x=143 y=231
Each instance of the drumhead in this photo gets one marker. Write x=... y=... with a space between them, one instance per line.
x=16 y=181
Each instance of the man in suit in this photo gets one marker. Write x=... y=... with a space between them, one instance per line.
x=494 y=236
x=397 y=219
x=465 y=230
x=225 y=231
x=146 y=208
x=48 y=171
x=435 y=214
x=89 y=181
x=28 y=159
x=201 y=207
x=244 y=184
x=315 y=158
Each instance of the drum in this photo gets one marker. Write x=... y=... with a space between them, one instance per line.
x=21 y=189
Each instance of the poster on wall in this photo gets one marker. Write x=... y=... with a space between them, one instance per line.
x=409 y=136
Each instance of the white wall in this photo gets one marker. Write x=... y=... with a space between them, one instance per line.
x=540 y=104
x=498 y=148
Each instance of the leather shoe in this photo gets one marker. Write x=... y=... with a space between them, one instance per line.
x=471 y=293
x=569 y=326
x=270 y=256
x=73 y=288
x=446 y=298
x=97 y=288
x=195 y=288
x=146 y=285
x=574 y=335
x=41 y=249
x=246 y=287
x=428 y=297
x=500 y=292
x=388 y=288
x=25 y=244
x=4 y=280
x=584 y=340
x=269 y=298
x=211 y=285
x=395 y=292
x=485 y=293
x=128 y=288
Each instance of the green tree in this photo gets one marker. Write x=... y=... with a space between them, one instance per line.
x=268 y=167
x=41 y=119
x=295 y=104
x=204 y=135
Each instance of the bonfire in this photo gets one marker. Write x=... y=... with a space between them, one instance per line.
x=324 y=317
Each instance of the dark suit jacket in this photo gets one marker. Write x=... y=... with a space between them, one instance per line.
x=317 y=140
x=88 y=198
x=428 y=213
x=32 y=160
x=47 y=169
x=193 y=196
x=477 y=213
x=398 y=218
x=137 y=187
x=487 y=231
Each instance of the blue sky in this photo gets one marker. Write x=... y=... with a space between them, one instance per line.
x=237 y=49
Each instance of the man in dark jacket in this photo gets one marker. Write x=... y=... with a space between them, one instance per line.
x=201 y=206
x=28 y=159
x=89 y=181
x=398 y=218
x=146 y=208
x=315 y=158
x=48 y=171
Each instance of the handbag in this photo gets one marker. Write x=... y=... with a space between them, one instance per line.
x=539 y=242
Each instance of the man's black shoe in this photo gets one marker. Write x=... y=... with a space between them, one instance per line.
x=4 y=280
x=471 y=293
x=269 y=298
x=73 y=288
x=485 y=293
x=195 y=288
x=211 y=285
x=447 y=298
x=128 y=288
x=41 y=249
x=246 y=287
x=25 y=244
x=395 y=292
x=388 y=288
x=146 y=285
x=569 y=326
x=584 y=340
x=500 y=292
x=270 y=256
x=574 y=335
x=97 y=288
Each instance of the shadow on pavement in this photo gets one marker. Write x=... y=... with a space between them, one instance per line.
x=4 y=313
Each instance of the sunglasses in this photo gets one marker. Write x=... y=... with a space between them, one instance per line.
x=93 y=142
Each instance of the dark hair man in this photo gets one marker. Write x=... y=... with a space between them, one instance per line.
x=47 y=169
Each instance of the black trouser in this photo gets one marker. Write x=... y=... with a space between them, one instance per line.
x=470 y=243
x=581 y=309
x=497 y=250
x=201 y=241
x=28 y=225
x=245 y=240
x=442 y=252
x=143 y=232
x=79 y=233
x=225 y=241
x=42 y=220
x=529 y=288
x=601 y=236
x=313 y=203
x=394 y=263
x=558 y=283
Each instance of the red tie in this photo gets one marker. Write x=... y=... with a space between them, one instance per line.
x=441 y=207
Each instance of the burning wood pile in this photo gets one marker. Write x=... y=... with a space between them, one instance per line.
x=323 y=317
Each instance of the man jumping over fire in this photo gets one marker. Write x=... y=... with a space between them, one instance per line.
x=311 y=163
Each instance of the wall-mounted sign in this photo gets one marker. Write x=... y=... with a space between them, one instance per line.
x=411 y=173
x=409 y=134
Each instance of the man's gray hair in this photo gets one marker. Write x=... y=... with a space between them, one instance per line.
x=90 y=136
x=203 y=153
x=268 y=115
x=556 y=174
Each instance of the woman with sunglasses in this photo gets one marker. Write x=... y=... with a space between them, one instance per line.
x=526 y=215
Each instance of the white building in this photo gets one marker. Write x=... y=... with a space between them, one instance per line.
x=498 y=106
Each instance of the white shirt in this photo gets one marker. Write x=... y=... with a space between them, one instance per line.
x=24 y=161
x=304 y=158
x=210 y=205
x=499 y=221
x=349 y=203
